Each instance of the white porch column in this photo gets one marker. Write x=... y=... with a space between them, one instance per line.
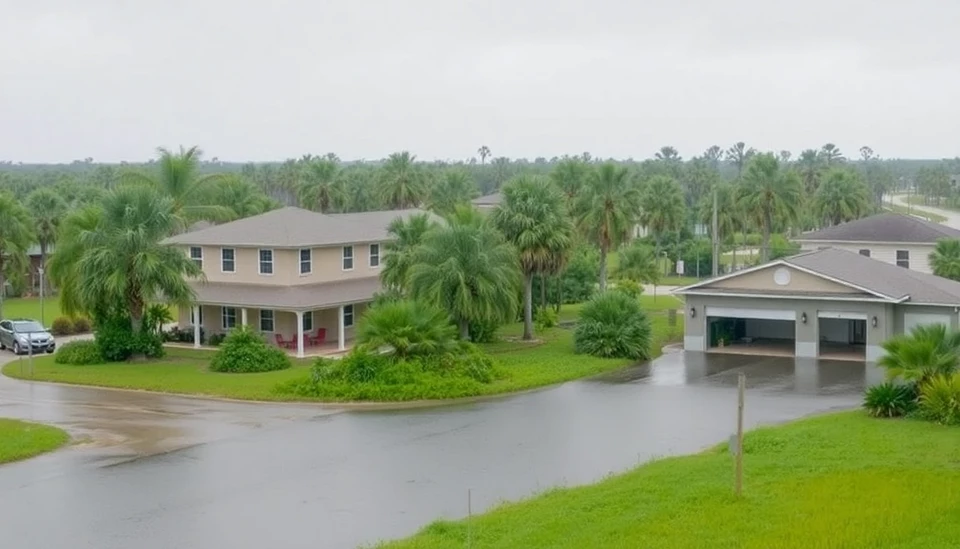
x=341 y=337
x=299 y=334
x=243 y=316
x=196 y=326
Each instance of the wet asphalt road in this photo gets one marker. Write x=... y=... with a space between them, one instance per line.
x=167 y=472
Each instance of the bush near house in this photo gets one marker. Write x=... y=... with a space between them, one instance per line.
x=61 y=326
x=118 y=342
x=81 y=325
x=79 y=353
x=613 y=325
x=243 y=351
x=940 y=399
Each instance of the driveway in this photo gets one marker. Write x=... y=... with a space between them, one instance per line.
x=953 y=217
x=163 y=472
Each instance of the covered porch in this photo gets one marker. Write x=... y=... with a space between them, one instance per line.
x=314 y=320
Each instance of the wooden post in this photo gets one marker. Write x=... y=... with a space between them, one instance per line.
x=469 y=517
x=741 y=388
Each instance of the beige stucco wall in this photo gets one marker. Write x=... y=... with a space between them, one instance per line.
x=919 y=254
x=327 y=265
x=763 y=279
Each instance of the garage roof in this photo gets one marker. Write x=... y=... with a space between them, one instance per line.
x=884 y=227
x=883 y=280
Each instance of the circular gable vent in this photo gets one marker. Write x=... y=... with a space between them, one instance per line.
x=782 y=276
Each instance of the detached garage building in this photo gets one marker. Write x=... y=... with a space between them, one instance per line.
x=828 y=303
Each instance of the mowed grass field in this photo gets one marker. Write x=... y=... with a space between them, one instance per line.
x=22 y=440
x=840 y=481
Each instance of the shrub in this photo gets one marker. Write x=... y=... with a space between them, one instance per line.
x=940 y=399
x=630 y=287
x=579 y=279
x=781 y=247
x=216 y=339
x=117 y=342
x=78 y=353
x=890 y=400
x=408 y=328
x=546 y=318
x=483 y=331
x=61 y=326
x=927 y=351
x=244 y=352
x=155 y=317
x=183 y=336
x=81 y=325
x=613 y=325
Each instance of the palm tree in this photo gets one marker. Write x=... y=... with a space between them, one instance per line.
x=402 y=184
x=831 y=154
x=47 y=209
x=533 y=217
x=16 y=236
x=768 y=195
x=455 y=188
x=729 y=217
x=784 y=156
x=945 y=258
x=406 y=235
x=468 y=270
x=322 y=188
x=638 y=262
x=810 y=166
x=841 y=197
x=668 y=154
x=607 y=210
x=177 y=178
x=484 y=152
x=569 y=175
x=739 y=154
x=407 y=328
x=360 y=186
x=866 y=153
x=713 y=154
x=927 y=351
x=243 y=198
x=70 y=247
x=119 y=264
x=662 y=207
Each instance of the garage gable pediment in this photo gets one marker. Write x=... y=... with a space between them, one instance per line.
x=781 y=278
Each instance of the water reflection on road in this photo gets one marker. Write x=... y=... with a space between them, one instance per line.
x=173 y=472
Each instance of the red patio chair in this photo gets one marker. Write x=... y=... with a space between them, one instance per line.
x=320 y=337
x=284 y=343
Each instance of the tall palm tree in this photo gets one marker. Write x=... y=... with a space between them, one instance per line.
x=533 y=217
x=359 y=184
x=569 y=175
x=70 y=248
x=468 y=270
x=831 y=154
x=841 y=197
x=178 y=178
x=810 y=166
x=119 y=264
x=455 y=188
x=47 y=209
x=16 y=236
x=322 y=188
x=739 y=155
x=784 y=156
x=243 y=198
x=607 y=210
x=769 y=194
x=406 y=235
x=402 y=184
x=484 y=152
x=945 y=258
x=729 y=217
x=713 y=154
x=668 y=154
x=638 y=262
x=662 y=207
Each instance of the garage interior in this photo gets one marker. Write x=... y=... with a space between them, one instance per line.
x=842 y=336
x=752 y=336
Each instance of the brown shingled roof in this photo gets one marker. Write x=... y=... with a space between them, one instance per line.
x=885 y=227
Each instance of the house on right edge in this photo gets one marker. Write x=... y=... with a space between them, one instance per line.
x=893 y=238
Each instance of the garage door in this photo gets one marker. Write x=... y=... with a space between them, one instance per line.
x=916 y=319
x=762 y=314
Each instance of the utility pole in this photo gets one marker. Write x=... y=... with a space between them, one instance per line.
x=716 y=237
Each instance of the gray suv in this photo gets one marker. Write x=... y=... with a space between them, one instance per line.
x=15 y=334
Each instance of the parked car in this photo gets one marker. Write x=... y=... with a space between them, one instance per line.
x=14 y=335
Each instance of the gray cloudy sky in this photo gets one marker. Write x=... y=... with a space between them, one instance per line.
x=258 y=80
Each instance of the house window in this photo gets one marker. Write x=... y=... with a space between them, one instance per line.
x=374 y=255
x=308 y=321
x=193 y=321
x=306 y=261
x=903 y=258
x=865 y=253
x=266 y=320
x=228 y=317
x=266 y=262
x=228 y=260
x=347 y=258
x=347 y=316
x=196 y=254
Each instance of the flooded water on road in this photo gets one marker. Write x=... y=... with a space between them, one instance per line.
x=173 y=472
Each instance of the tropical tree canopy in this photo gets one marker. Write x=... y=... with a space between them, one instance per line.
x=638 y=262
x=662 y=206
x=841 y=197
x=570 y=175
x=945 y=259
x=769 y=195
x=242 y=198
x=407 y=328
x=47 y=209
x=16 y=237
x=406 y=235
x=322 y=189
x=607 y=211
x=402 y=183
x=927 y=351
x=455 y=188
x=533 y=217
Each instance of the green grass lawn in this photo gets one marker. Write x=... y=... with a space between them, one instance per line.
x=929 y=216
x=29 y=307
x=547 y=361
x=22 y=440
x=840 y=481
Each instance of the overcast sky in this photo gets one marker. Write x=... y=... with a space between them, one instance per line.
x=258 y=80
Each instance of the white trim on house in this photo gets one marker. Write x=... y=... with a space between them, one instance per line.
x=343 y=258
x=874 y=242
x=761 y=314
x=370 y=255
x=803 y=297
x=260 y=261
x=843 y=315
x=233 y=260
x=197 y=260
x=309 y=261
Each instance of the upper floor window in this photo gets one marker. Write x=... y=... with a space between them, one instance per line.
x=228 y=260
x=266 y=320
x=903 y=258
x=347 y=258
x=374 y=255
x=306 y=261
x=228 y=317
x=347 y=316
x=865 y=253
x=196 y=254
x=266 y=262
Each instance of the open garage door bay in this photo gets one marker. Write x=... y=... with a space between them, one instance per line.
x=753 y=331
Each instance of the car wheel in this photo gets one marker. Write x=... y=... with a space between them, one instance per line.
x=16 y=348
x=50 y=350
x=3 y=347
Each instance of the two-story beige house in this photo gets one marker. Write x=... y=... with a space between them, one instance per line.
x=301 y=278
x=889 y=237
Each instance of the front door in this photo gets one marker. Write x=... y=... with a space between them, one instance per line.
x=858 y=332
